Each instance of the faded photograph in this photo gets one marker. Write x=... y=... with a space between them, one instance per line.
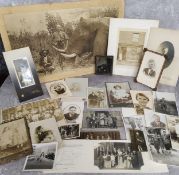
x=119 y=94
x=149 y=70
x=100 y=135
x=96 y=98
x=69 y=131
x=142 y=100
x=165 y=103
x=23 y=72
x=43 y=157
x=116 y=155
x=130 y=47
x=14 y=140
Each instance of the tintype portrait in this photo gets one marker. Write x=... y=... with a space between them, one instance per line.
x=151 y=69
x=44 y=131
x=138 y=140
x=142 y=100
x=43 y=157
x=69 y=131
x=96 y=98
x=155 y=119
x=165 y=103
x=119 y=94
x=100 y=135
x=117 y=155
x=78 y=87
x=66 y=38
x=14 y=141
x=58 y=89
x=103 y=65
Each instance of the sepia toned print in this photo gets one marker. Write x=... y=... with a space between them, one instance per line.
x=14 y=141
x=130 y=48
x=65 y=40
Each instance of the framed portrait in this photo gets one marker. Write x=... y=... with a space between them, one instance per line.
x=165 y=41
x=58 y=89
x=23 y=73
x=119 y=94
x=103 y=65
x=83 y=25
x=15 y=140
x=126 y=40
x=151 y=69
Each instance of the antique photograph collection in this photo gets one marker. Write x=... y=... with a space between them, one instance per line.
x=81 y=127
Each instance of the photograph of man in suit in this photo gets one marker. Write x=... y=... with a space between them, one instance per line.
x=157 y=122
x=72 y=113
x=59 y=89
x=150 y=70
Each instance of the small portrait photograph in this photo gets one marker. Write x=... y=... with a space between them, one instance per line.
x=155 y=119
x=117 y=155
x=119 y=94
x=102 y=119
x=150 y=69
x=69 y=131
x=78 y=87
x=44 y=131
x=43 y=157
x=142 y=100
x=103 y=65
x=58 y=89
x=138 y=140
x=100 y=135
x=23 y=72
x=14 y=141
x=96 y=98
x=173 y=127
x=165 y=103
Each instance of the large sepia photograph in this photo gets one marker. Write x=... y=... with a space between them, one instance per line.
x=63 y=39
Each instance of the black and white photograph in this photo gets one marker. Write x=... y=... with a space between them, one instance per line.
x=100 y=135
x=119 y=94
x=96 y=98
x=78 y=87
x=138 y=141
x=66 y=38
x=142 y=100
x=43 y=157
x=117 y=155
x=103 y=65
x=44 y=131
x=14 y=141
x=23 y=73
x=151 y=69
x=58 y=89
x=155 y=119
x=165 y=103
x=173 y=127
x=69 y=131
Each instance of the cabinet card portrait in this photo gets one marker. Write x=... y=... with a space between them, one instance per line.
x=23 y=73
x=165 y=41
x=126 y=40
x=15 y=140
x=142 y=100
x=97 y=98
x=151 y=69
x=64 y=37
x=45 y=131
x=119 y=94
x=58 y=89
x=165 y=103
x=43 y=157
x=78 y=87
x=155 y=119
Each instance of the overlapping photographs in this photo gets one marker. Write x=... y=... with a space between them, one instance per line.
x=14 y=141
x=43 y=157
x=119 y=94
x=116 y=155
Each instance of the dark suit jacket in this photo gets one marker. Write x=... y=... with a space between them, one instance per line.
x=71 y=117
